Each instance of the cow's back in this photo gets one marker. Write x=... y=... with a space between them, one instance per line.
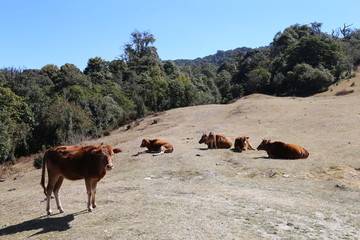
x=288 y=151
x=296 y=151
x=223 y=142
x=159 y=143
x=72 y=162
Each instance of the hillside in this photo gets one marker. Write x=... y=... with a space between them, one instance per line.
x=195 y=193
x=344 y=87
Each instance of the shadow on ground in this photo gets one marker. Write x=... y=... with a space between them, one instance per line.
x=45 y=224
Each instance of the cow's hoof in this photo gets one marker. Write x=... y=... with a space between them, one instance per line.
x=49 y=213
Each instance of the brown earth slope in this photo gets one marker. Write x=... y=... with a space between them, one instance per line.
x=195 y=193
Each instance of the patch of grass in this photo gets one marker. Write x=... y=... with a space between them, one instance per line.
x=343 y=92
x=182 y=175
x=155 y=121
x=6 y=169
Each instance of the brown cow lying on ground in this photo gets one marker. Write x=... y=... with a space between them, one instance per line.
x=157 y=146
x=242 y=143
x=282 y=150
x=74 y=163
x=221 y=141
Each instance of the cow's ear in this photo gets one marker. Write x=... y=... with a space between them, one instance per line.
x=116 y=150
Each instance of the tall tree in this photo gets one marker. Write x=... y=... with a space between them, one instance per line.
x=98 y=70
x=139 y=54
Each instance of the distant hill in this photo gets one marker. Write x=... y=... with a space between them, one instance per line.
x=215 y=59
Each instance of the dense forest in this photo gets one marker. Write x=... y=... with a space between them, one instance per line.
x=215 y=59
x=55 y=105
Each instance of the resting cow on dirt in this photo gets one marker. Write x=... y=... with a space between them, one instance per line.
x=282 y=150
x=157 y=146
x=221 y=141
x=242 y=143
x=75 y=163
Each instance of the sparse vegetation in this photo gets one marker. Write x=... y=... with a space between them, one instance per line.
x=38 y=162
x=344 y=92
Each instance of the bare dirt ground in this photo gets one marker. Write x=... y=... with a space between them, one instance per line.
x=195 y=193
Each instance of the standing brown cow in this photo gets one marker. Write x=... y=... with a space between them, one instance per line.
x=242 y=143
x=157 y=146
x=74 y=163
x=221 y=141
x=283 y=150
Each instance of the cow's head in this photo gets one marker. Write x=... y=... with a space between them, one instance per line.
x=105 y=154
x=242 y=142
x=204 y=138
x=263 y=144
x=145 y=143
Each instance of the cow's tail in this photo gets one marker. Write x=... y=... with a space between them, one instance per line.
x=43 y=173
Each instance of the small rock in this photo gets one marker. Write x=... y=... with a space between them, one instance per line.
x=341 y=186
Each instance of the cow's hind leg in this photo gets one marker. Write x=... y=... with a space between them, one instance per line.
x=158 y=153
x=56 y=193
x=161 y=151
x=49 y=189
x=48 y=197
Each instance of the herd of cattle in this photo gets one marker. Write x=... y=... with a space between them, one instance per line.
x=275 y=149
x=92 y=162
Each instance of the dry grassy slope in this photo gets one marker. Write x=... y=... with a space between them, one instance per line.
x=195 y=193
x=352 y=84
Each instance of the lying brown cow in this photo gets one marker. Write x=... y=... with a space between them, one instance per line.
x=221 y=141
x=242 y=143
x=74 y=163
x=282 y=150
x=157 y=146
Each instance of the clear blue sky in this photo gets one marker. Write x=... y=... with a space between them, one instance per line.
x=39 y=32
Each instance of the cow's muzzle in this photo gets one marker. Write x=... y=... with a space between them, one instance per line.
x=109 y=166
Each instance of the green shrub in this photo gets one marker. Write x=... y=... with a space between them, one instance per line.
x=38 y=162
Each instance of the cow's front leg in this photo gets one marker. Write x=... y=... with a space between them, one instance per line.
x=88 y=191
x=93 y=192
x=250 y=147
